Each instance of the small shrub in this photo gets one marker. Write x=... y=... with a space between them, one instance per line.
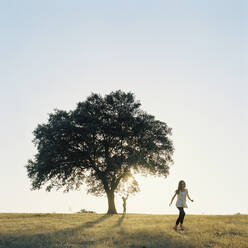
x=84 y=211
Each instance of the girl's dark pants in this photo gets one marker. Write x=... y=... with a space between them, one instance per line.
x=181 y=215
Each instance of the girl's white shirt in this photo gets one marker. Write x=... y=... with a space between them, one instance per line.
x=181 y=199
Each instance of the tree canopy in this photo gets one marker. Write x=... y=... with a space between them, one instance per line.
x=101 y=142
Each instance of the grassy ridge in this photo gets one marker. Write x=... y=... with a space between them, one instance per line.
x=131 y=231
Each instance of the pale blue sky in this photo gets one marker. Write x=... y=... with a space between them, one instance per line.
x=186 y=61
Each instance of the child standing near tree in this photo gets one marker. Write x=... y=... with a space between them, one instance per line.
x=181 y=193
x=124 y=199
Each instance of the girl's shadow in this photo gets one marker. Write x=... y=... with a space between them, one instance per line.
x=120 y=221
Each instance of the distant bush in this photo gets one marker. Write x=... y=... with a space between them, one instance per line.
x=84 y=211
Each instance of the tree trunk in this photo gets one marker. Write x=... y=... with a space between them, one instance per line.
x=111 y=203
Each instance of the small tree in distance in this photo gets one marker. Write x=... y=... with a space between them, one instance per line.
x=98 y=144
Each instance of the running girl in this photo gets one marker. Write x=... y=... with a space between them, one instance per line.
x=181 y=193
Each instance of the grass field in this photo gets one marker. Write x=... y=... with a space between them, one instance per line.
x=131 y=231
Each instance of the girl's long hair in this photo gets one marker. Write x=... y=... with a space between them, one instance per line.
x=180 y=186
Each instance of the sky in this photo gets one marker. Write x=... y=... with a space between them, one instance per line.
x=185 y=61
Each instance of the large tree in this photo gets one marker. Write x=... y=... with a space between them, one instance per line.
x=99 y=144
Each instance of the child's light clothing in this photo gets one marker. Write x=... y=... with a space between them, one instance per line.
x=181 y=199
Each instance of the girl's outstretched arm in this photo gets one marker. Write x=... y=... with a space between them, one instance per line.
x=189 y=197
x=173 y=197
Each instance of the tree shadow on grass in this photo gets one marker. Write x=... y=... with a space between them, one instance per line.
x=46 y=240
x=114 y=237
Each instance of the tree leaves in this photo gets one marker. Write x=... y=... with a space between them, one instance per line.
x=98 y=144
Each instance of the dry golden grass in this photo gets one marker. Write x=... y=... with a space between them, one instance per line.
x=131 y=231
